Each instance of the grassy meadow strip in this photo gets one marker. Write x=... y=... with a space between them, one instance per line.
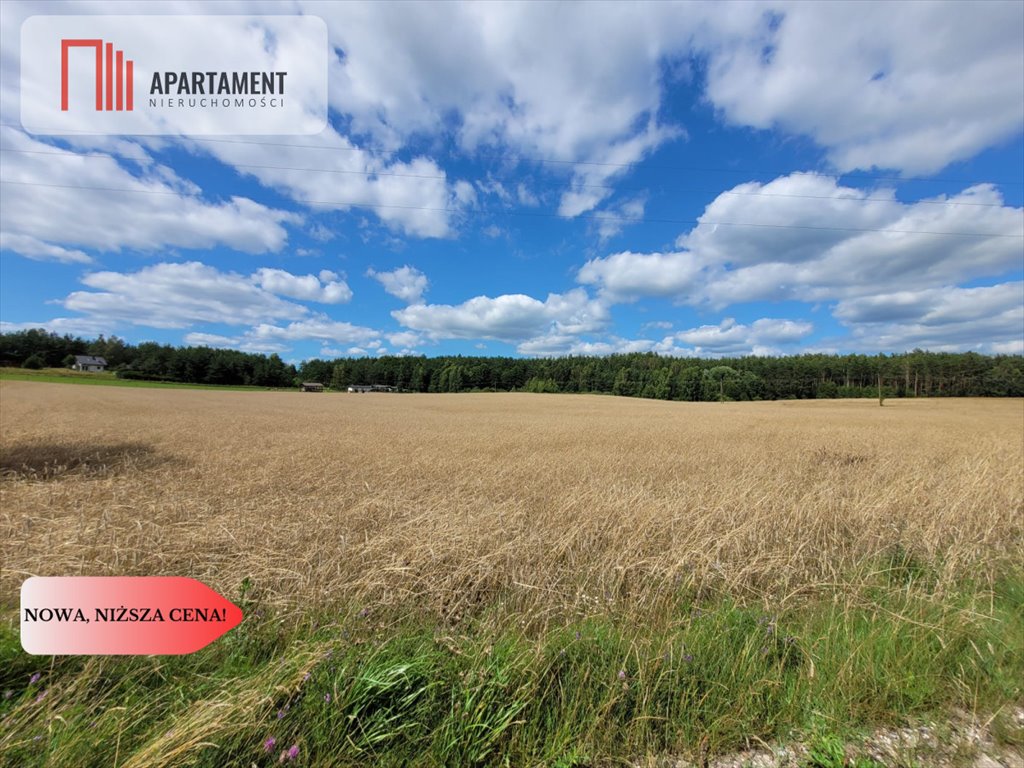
x=375 y=689
x=66 y=376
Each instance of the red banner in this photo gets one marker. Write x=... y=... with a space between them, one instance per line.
x=135 y=615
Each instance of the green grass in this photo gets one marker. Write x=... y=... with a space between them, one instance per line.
x=106 y=378
x=368 y=689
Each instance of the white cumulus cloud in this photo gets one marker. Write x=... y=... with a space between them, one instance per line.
x=305 y=287
x=54 y=203
x=509 y=317
x=407 y=283
x=913 y=87
x=169 y=295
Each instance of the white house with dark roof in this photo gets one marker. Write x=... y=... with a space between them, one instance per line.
x=89 y=363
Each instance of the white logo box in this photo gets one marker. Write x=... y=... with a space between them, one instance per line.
x=174 y=75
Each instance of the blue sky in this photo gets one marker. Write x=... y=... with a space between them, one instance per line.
x=545 y=179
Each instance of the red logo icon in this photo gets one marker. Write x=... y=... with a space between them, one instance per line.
x=116 y=87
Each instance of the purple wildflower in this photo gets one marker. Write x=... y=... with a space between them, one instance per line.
x=306 y=676
x=41 y=696
x=280 y=714
x=293 y=751
x=268 y=745
x=622 y=674
x=327 y=698
x=688 y=657
x=35 y=678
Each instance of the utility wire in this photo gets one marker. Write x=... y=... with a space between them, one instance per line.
x=503 y=157
x=369 y=173
x=541 y=214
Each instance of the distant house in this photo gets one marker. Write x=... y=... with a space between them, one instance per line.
x=89 y=363
x=371 y=388
x=312 y=386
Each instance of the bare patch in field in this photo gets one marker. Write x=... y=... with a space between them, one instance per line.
x=50 y=461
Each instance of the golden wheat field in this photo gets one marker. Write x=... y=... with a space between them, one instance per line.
x=550 y=504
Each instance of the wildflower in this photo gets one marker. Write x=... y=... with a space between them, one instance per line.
x=293 y=751
x=8 y=694
x=280 y=714
x=688 y=657
x=622 y=674
x=306 y=676
x=35 y=678
x=327 y=698
x=41 y=696
x=364 y=613
x=764 y=650
x=37 y=738
x=268 y=745
x=577 y=635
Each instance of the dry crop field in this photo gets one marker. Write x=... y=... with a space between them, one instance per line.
x=555 y=502
x=479 y=515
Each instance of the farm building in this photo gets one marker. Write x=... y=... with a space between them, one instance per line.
x=89 y=363
x=312 y=386
x=371 y=388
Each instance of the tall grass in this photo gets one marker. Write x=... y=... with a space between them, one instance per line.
x=715 y=676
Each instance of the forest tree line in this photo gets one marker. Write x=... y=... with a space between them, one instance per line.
x=911 y=374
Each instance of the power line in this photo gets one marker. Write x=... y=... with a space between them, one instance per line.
x=541 y=214
x=553 y=161
x=369 y=173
